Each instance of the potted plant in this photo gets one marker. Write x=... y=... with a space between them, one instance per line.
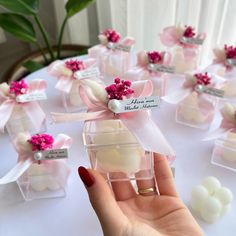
x=18 y=21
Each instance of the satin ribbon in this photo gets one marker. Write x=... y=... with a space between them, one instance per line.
x=26 y=158
x=171 y=36
x=139 y=123
x=65 y=75
x=188 y=87
x=32 y=109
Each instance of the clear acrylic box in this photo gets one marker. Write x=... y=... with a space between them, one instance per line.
x=72 y=100
x=114 y=63
x=115 y=152
x=20 y=122
x=196 y=111
x=224 y=152
x=45 y=180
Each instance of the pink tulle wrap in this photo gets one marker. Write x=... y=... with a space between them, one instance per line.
x=26 y=159
x=32 y=109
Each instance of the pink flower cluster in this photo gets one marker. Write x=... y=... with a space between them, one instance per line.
x=120 y=89
x=112 y=35
x=203 y=79
x=19 y=87
x=189 y=32
x=230 y=51
x=75 y=65
x=155 y=57
x=41 y=142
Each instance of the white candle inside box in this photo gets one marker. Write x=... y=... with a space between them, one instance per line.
x=112 y=156
x=19 y=121
x=190 y=109
x=211 y=200
x=182 y=64
x=40 y=179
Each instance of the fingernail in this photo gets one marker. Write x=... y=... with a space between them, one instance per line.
x=85 y=176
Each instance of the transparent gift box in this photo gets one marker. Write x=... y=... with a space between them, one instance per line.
x=45 y=179
x=185 y=59
x=72 y=100
x=114 y=63
x=20 y=122
x=196 y=111
x=115 y=152
x=224 y=152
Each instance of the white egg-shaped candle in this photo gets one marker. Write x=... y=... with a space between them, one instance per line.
x=120 y=160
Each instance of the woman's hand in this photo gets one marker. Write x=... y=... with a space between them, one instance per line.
x=123 y=212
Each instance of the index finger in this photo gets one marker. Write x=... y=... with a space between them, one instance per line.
x=164 y=176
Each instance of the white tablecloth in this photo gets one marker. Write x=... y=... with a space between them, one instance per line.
x=73 y=215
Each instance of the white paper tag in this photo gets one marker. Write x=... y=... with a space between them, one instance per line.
x=211 y=91
x=161 y=68
x=231 y=62
x=120 y=47
x=35 y=96
x=52 y=154
x=87 y=73
x=134 y=104
x=187 y=40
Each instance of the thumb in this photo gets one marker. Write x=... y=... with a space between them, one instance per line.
x=102 y=200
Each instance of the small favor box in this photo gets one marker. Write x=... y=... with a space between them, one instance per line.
x=224 y=152
x=185 y=46
x=21 y=122
x=42 y=170
x=72 y=101
x=70 y=75
x=46 y=179
x=196 y=111
x=113 y=54
x=20 y=108
x=115 y=152
x=153 y=66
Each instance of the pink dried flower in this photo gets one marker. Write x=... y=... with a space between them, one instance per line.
x=19 y=87
x=75 y=65
x=112 y=35
x=120 y=89
x=203 y=79
x=230 y=51
x=155 y=57
x=41 y=142
x=189 y=32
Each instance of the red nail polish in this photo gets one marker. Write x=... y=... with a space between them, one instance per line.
x=85 y=176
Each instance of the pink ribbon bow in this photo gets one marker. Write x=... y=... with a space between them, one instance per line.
x=139 y=123
x=190 y=85
x=32 y=109
x=228 y=122
x=65 y=72
x=26 y=157
x=173 y=35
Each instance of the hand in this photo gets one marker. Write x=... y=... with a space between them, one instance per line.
x=123 y=212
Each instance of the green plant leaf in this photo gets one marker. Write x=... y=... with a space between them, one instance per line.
x=28 y=7
x=19 y=26
x=75 y=6
x=32 y=65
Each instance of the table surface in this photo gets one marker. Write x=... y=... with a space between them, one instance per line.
x=73 y=215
